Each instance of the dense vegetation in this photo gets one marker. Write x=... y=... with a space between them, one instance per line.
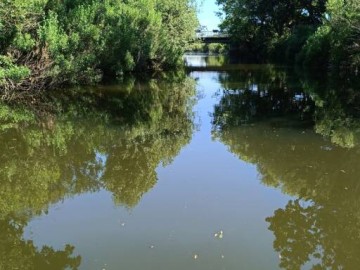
x=316 y=32
x=47 y=43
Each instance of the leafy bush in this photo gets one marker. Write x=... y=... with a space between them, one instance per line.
x=80 y=42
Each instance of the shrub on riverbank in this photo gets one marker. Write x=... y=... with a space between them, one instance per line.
x=47 y=43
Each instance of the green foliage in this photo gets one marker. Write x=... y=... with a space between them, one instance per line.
x=335 y=43
x=316 y=50
x=18 y=23
x=259 y=27
x=79 y=42
x=10 y=71
x=345 y=33
x=312 y=33
x=288 y=47
x=24 y=42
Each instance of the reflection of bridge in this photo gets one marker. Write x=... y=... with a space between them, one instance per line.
x=213 y=37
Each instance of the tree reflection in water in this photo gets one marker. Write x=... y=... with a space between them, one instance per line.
x=110 y=138
x=255 y=92
x=17 y=253
x=265 y=125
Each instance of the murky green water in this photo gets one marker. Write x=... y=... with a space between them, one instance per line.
x=228 y=167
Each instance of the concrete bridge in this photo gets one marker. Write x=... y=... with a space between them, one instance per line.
x=213 y=37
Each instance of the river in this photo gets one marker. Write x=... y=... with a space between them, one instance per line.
x=222 y=166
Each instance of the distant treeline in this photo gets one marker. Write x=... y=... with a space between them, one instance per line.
x=309 y=32
x=47 y=43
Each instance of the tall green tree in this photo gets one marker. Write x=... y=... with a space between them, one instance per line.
x=257 y=26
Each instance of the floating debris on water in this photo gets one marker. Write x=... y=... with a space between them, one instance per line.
x=219 y=234
x=195 y=256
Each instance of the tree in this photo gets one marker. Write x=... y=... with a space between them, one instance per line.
x=258 y=26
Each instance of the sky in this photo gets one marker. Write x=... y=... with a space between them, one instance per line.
x=206 y=13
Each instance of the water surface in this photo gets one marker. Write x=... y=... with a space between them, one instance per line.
x=238 y=167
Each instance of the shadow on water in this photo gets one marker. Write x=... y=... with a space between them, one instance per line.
x=267 y=117
x=110 y=138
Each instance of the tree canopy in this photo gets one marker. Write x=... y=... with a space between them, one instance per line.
x=310 y=32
